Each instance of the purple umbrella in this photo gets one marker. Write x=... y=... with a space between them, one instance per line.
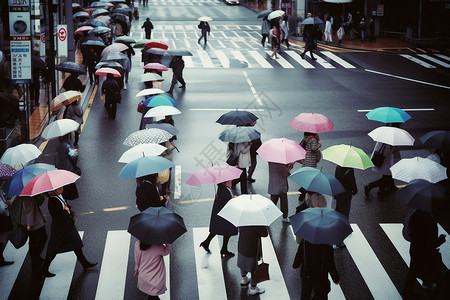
x=6 y=171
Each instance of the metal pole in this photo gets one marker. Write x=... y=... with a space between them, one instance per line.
x=419 y=28
x=51 y=49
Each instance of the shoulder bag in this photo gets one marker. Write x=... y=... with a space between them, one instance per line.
x=18 y=235
x=378 y=156
x=261 y=272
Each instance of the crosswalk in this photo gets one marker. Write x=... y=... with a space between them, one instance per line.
x=117 y=259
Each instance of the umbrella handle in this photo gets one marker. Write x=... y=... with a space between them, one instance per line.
x=175 y=146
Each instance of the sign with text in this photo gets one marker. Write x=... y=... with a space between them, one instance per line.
x=61 y=31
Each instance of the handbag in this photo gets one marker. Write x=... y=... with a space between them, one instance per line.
x=261 y=271
x=233 y=159
x=18 y=235
x=378 y=157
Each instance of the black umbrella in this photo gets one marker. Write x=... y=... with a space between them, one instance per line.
x=96 y=23
x=156 y=226
x=94 y=43
x=178 y=52
x=99 y=12
x=71 y=67
x=439 y=139
x=264 y=13
x=422 y=194
x=237 y=117
x=10 y=109
x=37 y=63
x=120 y=17
x=120 y=11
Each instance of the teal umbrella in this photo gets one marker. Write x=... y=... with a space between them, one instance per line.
x=145 y=165
x=388 y=115
x=314 y=180
x=239 y=135
x=159 y=100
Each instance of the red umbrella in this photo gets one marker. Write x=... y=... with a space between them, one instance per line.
x=82 y=29
x=311 y=122
x=156 y=66
x=106 y=71
x=48 y=181
x=157 y=44
x=116 y=47
x=89 y=10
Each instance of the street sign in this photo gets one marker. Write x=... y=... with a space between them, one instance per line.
x=62 y=40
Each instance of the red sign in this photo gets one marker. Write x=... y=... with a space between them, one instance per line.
x=62 y=34
x=43 y=38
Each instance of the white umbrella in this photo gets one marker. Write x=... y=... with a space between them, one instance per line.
x=149 y=92
x=141 y=150
x=409 y=169
x=64 y=99
x=162 y=110
x=275 y=14
x=250 y=210
x=392 y=136
x=205 y=19
x=151 y=77
x=20 y=154
x=147 y=136
x=59 y=128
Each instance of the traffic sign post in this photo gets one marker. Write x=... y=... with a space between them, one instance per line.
x=62 y=40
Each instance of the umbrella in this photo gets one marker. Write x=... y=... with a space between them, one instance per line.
x=420 y=194
x=114 y=56
x=164 y=126
x=250 y=210
x=105 y=19
x=311 y=122
x=156 y=44
x=2 y=58
x=392 y=136
x=388 y=115
x=438 y=139
x=179 y=52
x=123 y=6
x=83 y=29
x=117 y=1
x=99 y=4
x=320 y=225
x=315 y=180
x=125 y=39
x=264 y=13
x=20 y=154
x=281 y=151
x=80 y=14
x=275 y=14
x=6 y=171
x=141 y=150
x=100 y=11
x=71 y=67
x=141 y=43
x=237 y=117
x=145 y=165
x=99 y=30
x=147 y=136
x=214 y=175
x=14 y=185
x=159 y=100
x=156 y=51
x=116 y=47
x=408 y=169
x=48 y=181
x=156 y=226
x=59 y=128
x=97 y=23
x=161 y=111
x=105 y=71
x=156 y=66
x=149 y=92
x=108 y=64
x=64 y=99
x=151 y=77
x=347 y=156
x=239 y=134
x=205 y=19
x=312 y=21
x=93 y=43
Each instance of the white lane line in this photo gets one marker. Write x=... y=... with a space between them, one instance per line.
x=235 y=45
x=166 y=295
x=338 y=60
x=223 y=34
x=238 y=55
x=418 y=61
x=8 y=274
x=436 y=61
x=445 y=247
x=443 y=56
x=177 y=183
x=299 y=59
x=281 y=60
x=206 y=61
x=261 y=60
x=113 y=272
x=189 y=27
x=252 y=88
x=63 y=266
x=174 y=46
x=188 y=45
x=179 y=27
x=394 y=233
x=223 y=59
x=323 y=62
x=221 y=44
x=188 y=63
x=211 y=284
x=409 y=79
x=405 y=109
x=376 y=278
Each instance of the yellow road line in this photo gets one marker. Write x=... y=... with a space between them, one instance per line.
x=212 y=199
x=115 y=208
x=88 y=108
x=422 y=50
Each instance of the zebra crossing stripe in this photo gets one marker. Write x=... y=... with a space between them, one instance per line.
x=221 y=44
x=211 y=283
x=324 y=63
x=188 y=63
x=206 y=61
x=111 y=281
x=234 y=44
x=239 y=56
x=445 y=248
x=299 y=59
x=394 y=233
x=186 y=42
x=223 y=58
x=166 y=295
x=63 y=266
x=8 y=274
x=281 y=60
x=376 y=278
x=338 y=60
x=261 y=60
x=445 y=57
x=436 y=61
x=418 y=61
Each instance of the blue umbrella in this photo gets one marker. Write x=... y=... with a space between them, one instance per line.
x=164 y=126
x=96 y=22
x=81 y=14
x=144 y=166
x=99 y=30
x=159 y=100
x=94 y=43
x=99 y=4
x=388 y=115
x=14 y=185
x=239 y=135
x=421 y=194
x=314 y=180
x=320 y=225
x=237 y=117
x=114 y=56
x=439 y=139
x=99 y=11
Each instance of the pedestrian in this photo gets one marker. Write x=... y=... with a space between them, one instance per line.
x=148 y=26
x=74 y=111
x=349 y=22
x=177 y=65
x=275 y=39
x=285 y=31
x=145 y=2
x=256 y=143
x=219 y=225
x=92 y=59
x=314 y=199
x=249 y=253
x=265 y=31
x=362 y=29
x=204 y=26
x=278 y=186
x=316 y=261
x=64 y=235
x=242 y=150
x=66 y=159
x=340 y=34
x=147 y=192
x=111 y=89
x=149 y=268
x=5 y=225
x=126 y=67
x=372 y=29
x=165 y=176
x=311 y=143
x=327 y=31
x=73 y=83
x=309 y=37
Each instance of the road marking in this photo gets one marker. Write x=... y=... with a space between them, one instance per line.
x=234 y=44
x=8 y=274
x=443 y=56
x=324 y=63
x=223 y=59
x=252 y=88
x=225 y=109
x=115 y=208
x=177 y=183
x=238 y=55
x=418 y=61
x=338 y=60
x=436 y=61
x=299 y=59
x=409 y=79
x=405 y=109
x=188 y=62
x=261 y=60
x=281 y=60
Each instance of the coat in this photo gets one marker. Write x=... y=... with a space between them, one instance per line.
x=391 y=156
x=347 y=178
x=244 y=154
x=265 y=27
x=219 y=225
x=31 y=214
x=311 y=145
x=284 y=26
x=66 y=157
x=278 y=174
x=73 y=83
x=148 y=26
x=75 y=112
x=150 y=268
x=111 y=89
x=250 y=240
x=204 y=26
x=147 y=195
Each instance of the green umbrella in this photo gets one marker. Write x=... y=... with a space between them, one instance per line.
x=125 y=39
x=141 y=43
x=347 y=156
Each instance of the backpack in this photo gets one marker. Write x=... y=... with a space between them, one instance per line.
x=406 y=231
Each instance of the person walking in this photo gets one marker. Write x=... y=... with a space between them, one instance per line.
x=309 y=37
x=204 y=27
x=148 y=26
x=278 y=186
x=111 y=89
x=372 y=29
x=73 y=83
x=92 y=59
x=311 y=143
x=74 y=111
x=249 y=253
x=275 y=40
x=177 y=65
x=284 y=26
x=340 y=34
x=147 y=193
x=126 y=67
x=219 y=225
x=253 y=157
x=327 y=31
x=149 y=268
x=362 y=29
x=349 y=22
x=244 y=160
x=265 y=31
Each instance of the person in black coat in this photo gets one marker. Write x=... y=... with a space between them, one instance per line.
x=147 y=193
x=317 y=260
x=148 y=26
x=111 y=89
x=310 y=39
x=64 y=235
x=204 y=26
x=177 y=65
x=73 y=83
x=347 y=178
x=219 y=225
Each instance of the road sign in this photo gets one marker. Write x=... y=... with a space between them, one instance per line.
x=42 y=45
x=62 y=41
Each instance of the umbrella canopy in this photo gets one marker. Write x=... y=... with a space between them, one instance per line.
x=312 y=21
x=149 y=92
x=20 y=154
x=156 y=66
x=388 y=115
x=156 y=51
x=147 y=136
x=311 y=122
x=264 y=13
x=156 y=44
x=239 y=134
x=103 y=18
x=141 y=150
x=179 y=52
x=141 y=43
x=438 y=139
x=64 y=99
x=275 y=14
x=347 y=156
x=237 y=117
x=99 y=30
x=116 y=47
x=161 y=111
x=81 y=14
x=114 y=56
x=421 y=193
x=282 y=151
x=14 y=185
x=99 y=4
x=105 y=71
x=97 y=23
x=214 y=175
x=93 y=43
x=408 y=169
x=156 y=226
x=320 y=225
x=392 y=136
x=100 y=11
x=145 y=165
x=71 y=67
x=83 y=29
x=315 y=180
x=120 y=11
x=6 y=171
x=59 y=128
x=250 y=210
x=125 y=39
x=48 y=181
x=108 y=64
x=164 y=126
x=205 y=19
x=159 y=100
x=151 y=77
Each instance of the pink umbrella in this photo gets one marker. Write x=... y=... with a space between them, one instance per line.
x=311 y=122
x=106 y=19
x=82 y=29
x=116 y=47
x=281 y=151
x=156 y=66
x=48 y=181
x=106 y=71
x=214 y=175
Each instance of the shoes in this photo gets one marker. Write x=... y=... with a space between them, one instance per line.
x=226 y=254
x=255 y=290
x=366 y=190
x=341 y=245
x=6 y=263
x=48 y=274
x=302 y=55
x=313 y=58
x=245 y=281
x=89 y=265
x=124 y=86
x=285 y=220
x=183 y=87
x=251 y=180
x=206 y=247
